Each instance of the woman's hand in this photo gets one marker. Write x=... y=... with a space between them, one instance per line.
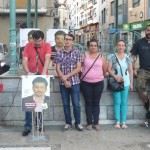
x=118 y=79
x=131 y=87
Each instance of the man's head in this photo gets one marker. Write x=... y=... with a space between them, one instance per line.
x=38 y=38
x=30 y=38
x=147 y=32
x=59 y=38
x=69 y=38
x=39 y=87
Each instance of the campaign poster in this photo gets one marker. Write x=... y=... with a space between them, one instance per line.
x=50 y=35
x=24 y=36
x=35 y=93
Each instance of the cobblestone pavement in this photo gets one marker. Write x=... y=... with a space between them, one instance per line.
x=136 y=137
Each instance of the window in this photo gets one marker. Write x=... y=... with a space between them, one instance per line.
x=135 y=3
x=120 y=9
x=112 y=9
x=103 y=16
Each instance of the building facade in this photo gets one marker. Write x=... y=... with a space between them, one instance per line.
x=48 y=16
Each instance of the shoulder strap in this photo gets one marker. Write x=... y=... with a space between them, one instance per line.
x=119 y=65
x=39 y=56
x=90 y=67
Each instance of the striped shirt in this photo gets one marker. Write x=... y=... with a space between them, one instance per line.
x=68 y=62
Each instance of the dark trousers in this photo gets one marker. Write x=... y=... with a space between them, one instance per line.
x=92 y=93
x=4 y=69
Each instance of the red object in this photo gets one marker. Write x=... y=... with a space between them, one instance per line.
x=30 y=53
x=1 y=87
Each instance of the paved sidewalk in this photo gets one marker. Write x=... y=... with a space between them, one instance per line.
x=135 y=137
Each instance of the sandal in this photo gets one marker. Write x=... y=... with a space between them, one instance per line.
x=117 y=126
x=124 y=126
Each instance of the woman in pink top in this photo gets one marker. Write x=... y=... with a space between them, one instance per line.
x=93 y=83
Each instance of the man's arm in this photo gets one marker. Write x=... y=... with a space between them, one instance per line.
x=74 y=72
x=25 y=64
x=61 y=75
x=134 y=57
x=46 y=63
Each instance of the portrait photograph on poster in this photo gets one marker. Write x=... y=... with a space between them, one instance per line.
x=35 y=93
x=50 y=35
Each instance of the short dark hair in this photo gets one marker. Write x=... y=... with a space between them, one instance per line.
x=60 y=32
x=147 y=26
x=38 y=34
x=71 y=35
x=39 y=79
x=93 y=40
x=31 y=32
x=23 y=25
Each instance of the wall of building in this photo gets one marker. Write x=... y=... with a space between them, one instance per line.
x=137 y=10
x=10 y=105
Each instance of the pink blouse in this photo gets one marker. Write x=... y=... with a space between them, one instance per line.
x=96 y=72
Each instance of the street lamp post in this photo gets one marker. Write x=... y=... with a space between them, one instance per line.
x=29 y=14
x=36 y=13
x=116 y=14
x=13 y=65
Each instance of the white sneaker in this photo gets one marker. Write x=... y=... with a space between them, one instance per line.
x=67 y=127
x=79 y=127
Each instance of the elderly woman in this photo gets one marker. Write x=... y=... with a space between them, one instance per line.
x=121 y=98
x=93 y=70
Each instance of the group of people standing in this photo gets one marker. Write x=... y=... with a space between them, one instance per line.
x=69 y=62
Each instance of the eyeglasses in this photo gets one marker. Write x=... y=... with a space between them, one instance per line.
x=68 y=39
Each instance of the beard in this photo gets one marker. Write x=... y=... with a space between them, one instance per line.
x=148 y=36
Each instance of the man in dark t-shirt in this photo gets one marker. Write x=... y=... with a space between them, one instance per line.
x=59 y=40
x=142 y=49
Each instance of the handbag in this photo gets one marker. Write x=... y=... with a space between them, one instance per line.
x=113 y=85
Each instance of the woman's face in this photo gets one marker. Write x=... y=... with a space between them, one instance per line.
x=121 y=46
x=93 y=47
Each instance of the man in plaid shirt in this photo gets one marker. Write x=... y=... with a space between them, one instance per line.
x=68 y=65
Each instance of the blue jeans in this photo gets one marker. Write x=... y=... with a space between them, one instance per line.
x=121 y=104
x=28 y=119
x=74 y=92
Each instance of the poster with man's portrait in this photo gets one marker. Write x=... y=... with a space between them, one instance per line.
x=50 y=35
x=24 y=36
x=35 y=93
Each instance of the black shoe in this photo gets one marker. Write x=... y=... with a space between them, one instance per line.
x=26 y=132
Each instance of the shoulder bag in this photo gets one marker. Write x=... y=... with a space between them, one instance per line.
x=37 y=60
x=112 y=84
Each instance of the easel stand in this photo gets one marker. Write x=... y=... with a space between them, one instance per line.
x=37 y=128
